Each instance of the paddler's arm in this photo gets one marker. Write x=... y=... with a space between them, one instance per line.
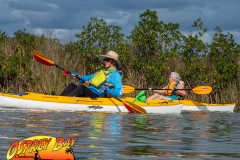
x=181 y=92
x=85 y=78
x=159 y=91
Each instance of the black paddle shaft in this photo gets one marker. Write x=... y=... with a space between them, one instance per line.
x=163 y=89
x=75 y=76
x=61 y=68
x=97 y=87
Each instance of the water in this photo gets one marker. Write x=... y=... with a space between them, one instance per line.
x=192 y=135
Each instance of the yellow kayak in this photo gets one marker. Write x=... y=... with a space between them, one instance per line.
x=31 y=100
x=189 y=105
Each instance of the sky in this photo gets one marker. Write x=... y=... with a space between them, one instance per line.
x=63 y=19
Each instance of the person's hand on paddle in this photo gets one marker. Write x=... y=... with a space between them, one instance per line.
x=174 y=89
x=102 y=89
x=75 y=75
x=156 y=90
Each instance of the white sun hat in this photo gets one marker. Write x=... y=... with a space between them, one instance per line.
x=111 y=55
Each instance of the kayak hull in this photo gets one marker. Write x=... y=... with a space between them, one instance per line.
x=189 y=105
x=50 y=102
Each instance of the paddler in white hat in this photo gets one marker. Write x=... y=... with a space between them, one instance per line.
x=108 y=80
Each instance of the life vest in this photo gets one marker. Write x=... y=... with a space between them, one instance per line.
x=100 y=79
x=170 y=86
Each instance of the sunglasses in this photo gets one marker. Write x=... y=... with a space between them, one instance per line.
x=106 y=59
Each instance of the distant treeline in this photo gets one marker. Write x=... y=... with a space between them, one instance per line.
x=151 y=52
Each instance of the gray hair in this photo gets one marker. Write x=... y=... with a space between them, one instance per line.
x=175 y=76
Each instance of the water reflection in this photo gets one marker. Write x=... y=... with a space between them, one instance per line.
x=124 y=136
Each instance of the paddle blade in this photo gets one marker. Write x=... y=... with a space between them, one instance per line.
x=133 y=108
x=127 y=89
x=42 y=58
x=202 y=90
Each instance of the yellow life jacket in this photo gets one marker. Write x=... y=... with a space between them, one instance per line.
x=170 y=86
x=99 y=79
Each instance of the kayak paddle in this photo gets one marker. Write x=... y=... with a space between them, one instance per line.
x=131 y=107
x=197 y=90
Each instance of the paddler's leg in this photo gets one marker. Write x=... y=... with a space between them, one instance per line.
x=82 y=91
x=157 y=96
x=68 y=89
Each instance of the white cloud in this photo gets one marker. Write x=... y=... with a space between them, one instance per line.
x=109 y=20
x=207 y=38
x=121 y=18
x=54 y=6
x=64 y=35
x=26 y=22
x=124 y=17
x=208 y=12
x=38 y=31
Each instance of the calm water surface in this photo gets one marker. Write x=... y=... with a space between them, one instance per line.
x=191 y=135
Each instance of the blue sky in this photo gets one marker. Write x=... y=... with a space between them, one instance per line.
x=64 y=18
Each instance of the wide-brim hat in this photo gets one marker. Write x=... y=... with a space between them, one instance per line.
x=111 y=55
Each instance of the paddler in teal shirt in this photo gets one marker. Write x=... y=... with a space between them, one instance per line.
x=107 y=81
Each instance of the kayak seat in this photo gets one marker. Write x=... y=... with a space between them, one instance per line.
x=53 y=93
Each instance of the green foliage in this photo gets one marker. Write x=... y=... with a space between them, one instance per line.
x=199 y=25
x=96 y=38
x=223 y=59
x=192 y=51
x=15 y=65
x=26 y=40
x=2 y=36
x=154 y=43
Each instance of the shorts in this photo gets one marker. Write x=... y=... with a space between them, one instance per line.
x=173 y=97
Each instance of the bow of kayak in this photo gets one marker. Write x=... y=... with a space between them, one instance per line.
x=189 y=105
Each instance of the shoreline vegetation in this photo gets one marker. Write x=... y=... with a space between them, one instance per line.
x=149 y=54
